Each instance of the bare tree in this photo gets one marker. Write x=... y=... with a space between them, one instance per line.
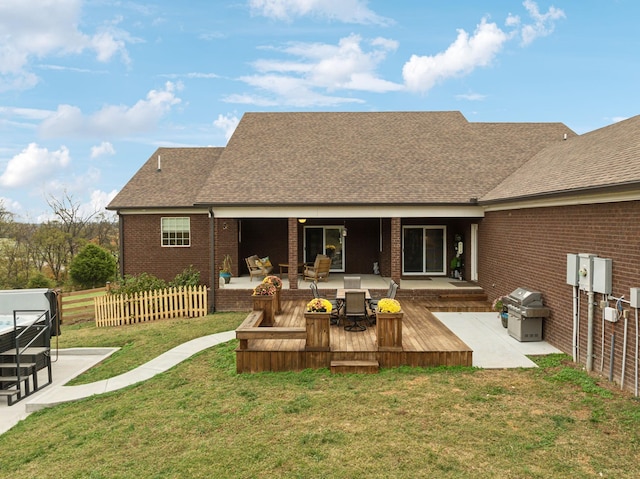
x=71 y=221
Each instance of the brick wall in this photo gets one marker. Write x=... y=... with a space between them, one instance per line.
x=144 y=253
x=528 y=248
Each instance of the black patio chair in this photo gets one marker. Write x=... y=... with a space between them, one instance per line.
x=335 y=306
x=355 y=310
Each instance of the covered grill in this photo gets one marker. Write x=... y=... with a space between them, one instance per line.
x=526 y=312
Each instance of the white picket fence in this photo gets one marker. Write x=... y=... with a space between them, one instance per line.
x=118 y=310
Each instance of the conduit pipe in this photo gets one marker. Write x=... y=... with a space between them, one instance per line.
x=636 y=352
x=590 y=296
x=624 y=351
x=576 y=325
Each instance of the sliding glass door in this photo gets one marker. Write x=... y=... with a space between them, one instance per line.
x=325 y=240
x=424 y=250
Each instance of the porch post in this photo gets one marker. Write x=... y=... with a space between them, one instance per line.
x=396 y=249
x=293 y=253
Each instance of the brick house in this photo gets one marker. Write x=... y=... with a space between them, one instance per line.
x=405 y=188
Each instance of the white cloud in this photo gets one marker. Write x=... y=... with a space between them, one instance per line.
x=471 y=97
x=543 y=23
x=112 y=120
x=98 y=202
x=347 y=11
x=39 y=28
x=10 y=205
x=465 y=54
x=227 y=123
x=32 y=165
x=318 y=70
x=104 y=148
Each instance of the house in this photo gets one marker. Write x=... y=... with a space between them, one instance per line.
x=400 y=189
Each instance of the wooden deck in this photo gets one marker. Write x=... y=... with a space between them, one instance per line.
x=425 y=342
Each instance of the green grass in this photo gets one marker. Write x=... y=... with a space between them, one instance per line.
x=202 y=420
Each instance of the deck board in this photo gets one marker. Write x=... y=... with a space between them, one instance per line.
x=426 y=342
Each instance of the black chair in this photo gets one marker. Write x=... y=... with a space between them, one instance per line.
x=355 y=310
x=391 y=293
x=373 y=304
x=335 y=306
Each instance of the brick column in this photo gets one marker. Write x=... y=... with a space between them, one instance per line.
x=396 y=249
x=293 y=253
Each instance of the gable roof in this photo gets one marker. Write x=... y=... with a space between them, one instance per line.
x=371 y=158
x=604 y=158
x=182 y=173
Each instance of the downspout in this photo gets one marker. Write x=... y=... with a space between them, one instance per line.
x=212 y=263
x=121 y=245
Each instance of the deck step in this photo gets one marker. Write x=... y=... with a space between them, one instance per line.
x=26 y=352
x=15 y=365
x=355 y=366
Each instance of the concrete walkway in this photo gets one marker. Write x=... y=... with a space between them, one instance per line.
x=73 y=362
x=483 y=332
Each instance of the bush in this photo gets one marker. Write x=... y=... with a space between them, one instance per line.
x=138 y=284
x=93 y=266
x=40 y=281
x=188 y=277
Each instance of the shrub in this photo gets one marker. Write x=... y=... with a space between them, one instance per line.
x=188 y=277
x=93 y=266
x=138 y=284
x=40 y=281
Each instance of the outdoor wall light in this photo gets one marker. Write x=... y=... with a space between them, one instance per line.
x=302 y=220
x=344 y=232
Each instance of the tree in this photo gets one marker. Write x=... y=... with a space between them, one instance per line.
x=93 y=266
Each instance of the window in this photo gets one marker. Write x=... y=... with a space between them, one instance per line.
x=424 y=250
x=176 y=232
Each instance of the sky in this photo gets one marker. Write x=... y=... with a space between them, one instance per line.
x=90 y=88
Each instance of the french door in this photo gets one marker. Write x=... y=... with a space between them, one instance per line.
x=424 y=250
x=325 y=240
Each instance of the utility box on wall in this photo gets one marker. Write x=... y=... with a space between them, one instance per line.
x=585 y=271
x=572 y=269
x=602 y=270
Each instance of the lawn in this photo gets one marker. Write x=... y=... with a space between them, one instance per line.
x=202 y=420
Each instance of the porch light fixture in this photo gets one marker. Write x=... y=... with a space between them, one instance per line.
x=302 y=220
x=344 y=231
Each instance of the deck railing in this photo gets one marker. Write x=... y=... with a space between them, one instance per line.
x=117 y=310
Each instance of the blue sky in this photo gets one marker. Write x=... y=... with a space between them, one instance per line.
x=89 y=89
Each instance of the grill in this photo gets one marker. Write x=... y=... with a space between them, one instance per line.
x=526 y=312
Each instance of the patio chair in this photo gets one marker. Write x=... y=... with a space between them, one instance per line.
x=320 y=269
x=355 y=310
x=335 y=306
x=352 y=282
x=391 y=293
x=258 y=266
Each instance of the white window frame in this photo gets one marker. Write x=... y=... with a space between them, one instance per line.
x=175 y=225
x=424 y=258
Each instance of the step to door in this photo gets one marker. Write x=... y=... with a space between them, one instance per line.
x=355 y=366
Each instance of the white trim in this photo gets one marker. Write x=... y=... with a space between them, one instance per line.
x=572 y=200
x=164 y=211
x=360 y=211
x=473 y=252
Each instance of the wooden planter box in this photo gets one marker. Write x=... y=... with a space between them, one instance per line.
x=278 y=301
x=318 y=326
x=267 y=304
x=389 y=331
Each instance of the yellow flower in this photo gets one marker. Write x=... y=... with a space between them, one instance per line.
x=388 y=305
x=319 y=305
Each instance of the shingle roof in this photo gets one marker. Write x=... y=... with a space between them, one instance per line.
x=182 y=173
x=602 y=158
x=370 y=158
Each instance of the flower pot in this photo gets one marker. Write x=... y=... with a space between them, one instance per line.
x=504 y=317
x=225 y=276
x=266 y=303
x=389 y=331
x=318 y=327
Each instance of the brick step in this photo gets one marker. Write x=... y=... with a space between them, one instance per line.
x=355 y=366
